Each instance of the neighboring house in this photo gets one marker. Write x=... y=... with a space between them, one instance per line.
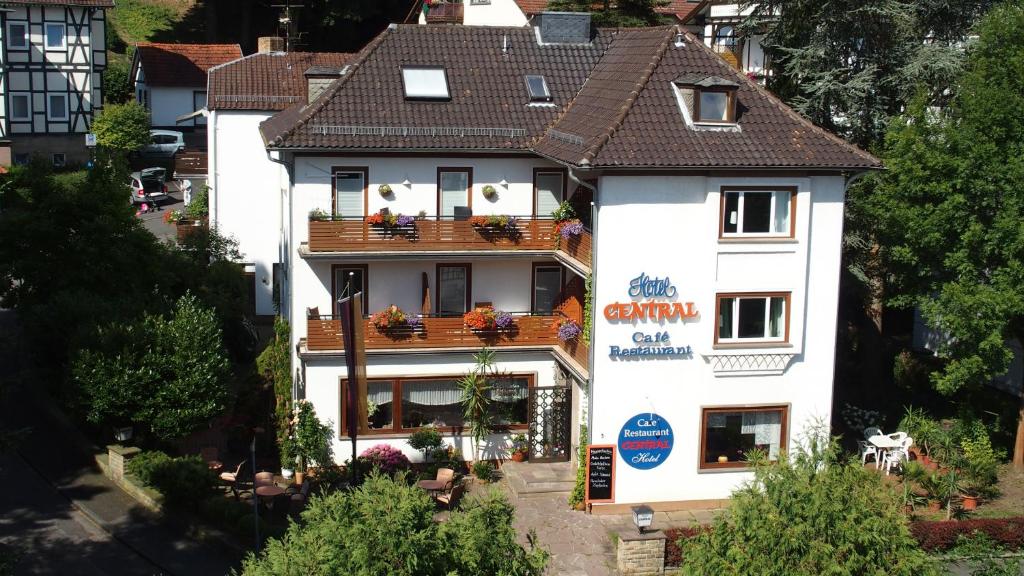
x=712 y=225
x=518 y=12
x=245 y=184
x=52 y=60
x=170 y=79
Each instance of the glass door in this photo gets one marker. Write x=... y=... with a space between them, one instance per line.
x=452 y=190
x=349 y=193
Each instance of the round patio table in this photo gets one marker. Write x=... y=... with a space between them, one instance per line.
x=431 y=485
x=269 y=490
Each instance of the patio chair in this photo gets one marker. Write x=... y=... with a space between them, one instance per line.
x=297 y=501
x=462 y=212
x=867 y=449
x=446 y=475
x=896 y=456
x=313 y=313
x=872 y=431
x=898 y=436
x=264 y=479
x=451 y=499
x=232 y=479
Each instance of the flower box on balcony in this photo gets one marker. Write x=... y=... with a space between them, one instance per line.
x=392 y=224
x=496 y=225
x=392 y=320
x=487 y=319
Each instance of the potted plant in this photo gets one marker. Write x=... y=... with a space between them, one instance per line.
x=489 y=192
x=568 y=330
x=567 y=225
x=392 y=318
x=384 y=190
x=496 y=224
x=318 y=214
x=426 y=440
x=487 y=318
x=483 y=470
x=520 y=448
x=475 y=388
x=312 y=440
x=287 y=453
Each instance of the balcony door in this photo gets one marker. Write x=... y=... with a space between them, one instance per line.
x=453 y=189
x=548 y=191
x=453 y=289
x=349 y=193
x=547 y=287
x=348 y=280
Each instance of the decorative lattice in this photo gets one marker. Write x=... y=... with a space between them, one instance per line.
x=749 y=364
x=549 y=435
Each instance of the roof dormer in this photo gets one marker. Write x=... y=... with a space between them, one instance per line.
x=707 y=100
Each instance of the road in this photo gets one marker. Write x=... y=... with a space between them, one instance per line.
x=154 y=221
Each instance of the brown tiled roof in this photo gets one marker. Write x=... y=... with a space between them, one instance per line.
x=488 y=108
x=614 y=104
x=266 y=81
x=680 y=9
x=181 y=65
x=93 y=3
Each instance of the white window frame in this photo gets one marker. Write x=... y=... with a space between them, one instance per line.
x=63 y=35
x=790 y=232
x=24 y=36
x=28 y=106
x=787 y=298
x=428 y=94
x=49 y=108
x=543 y=98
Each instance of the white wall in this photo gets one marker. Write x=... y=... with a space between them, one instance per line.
x=493 y=13
x=323 y=377
x=668 y=226
x=167 y=104
x=246 y=194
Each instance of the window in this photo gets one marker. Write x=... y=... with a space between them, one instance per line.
x=349 y=280
x=714 y=106
x=548 y=190
x=21 y=107
x=57 y=107
x=453 y=187
x=58 y=160
x=436 y=401
x=349 y=194
x=425 y=83
x=453 y=281
x=538 y=88
x=758 y=212
x=730 y=435
x=55 y=37
x=17 y=35
x=22 y=159
x=547 y=287
x=752 y=317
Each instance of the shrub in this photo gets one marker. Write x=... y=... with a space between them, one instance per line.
x=942 y=535
x=146 y=465
x=385 y=458
x=184 y=482
x=579 y=489
x=122 y=127
x=674 y=538
x=426 y=440
x=200 y=204
x=312 y=437
x=483 y=470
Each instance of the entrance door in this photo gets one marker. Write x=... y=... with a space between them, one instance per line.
x=550 y=410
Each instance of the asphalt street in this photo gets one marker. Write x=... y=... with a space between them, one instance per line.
x=154 y=221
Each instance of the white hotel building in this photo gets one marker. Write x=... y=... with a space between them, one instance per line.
x=712 y=219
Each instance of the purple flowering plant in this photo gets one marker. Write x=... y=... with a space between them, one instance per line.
x=502 y=320
x=385 y=457
x=570 y=228
x=569 y=330
x=404 y=220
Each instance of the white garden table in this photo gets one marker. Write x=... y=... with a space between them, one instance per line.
x=883 y=443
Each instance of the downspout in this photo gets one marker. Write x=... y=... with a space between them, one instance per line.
x=594 y=205
x=211 y=177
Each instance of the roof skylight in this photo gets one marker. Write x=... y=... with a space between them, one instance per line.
x=425 y=83
x=538 y=88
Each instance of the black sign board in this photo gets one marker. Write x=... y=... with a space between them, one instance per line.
x=600 y=473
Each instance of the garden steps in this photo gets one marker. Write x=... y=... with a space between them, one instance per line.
x=526 y=479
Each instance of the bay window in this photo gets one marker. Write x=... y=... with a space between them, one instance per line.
x=755 y=317
x=729 y=436
x=757 y=212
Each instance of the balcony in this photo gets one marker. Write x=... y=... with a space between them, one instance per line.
x=450 y=333
x=345 y=237
x=445 y=13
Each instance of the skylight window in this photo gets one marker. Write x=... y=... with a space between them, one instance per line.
x=425 y=83
x=538 y=88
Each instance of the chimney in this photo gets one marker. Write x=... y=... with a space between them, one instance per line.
x=266 y=44
x=564 y=27
x=318 y=78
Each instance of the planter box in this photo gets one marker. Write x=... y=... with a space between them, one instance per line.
x=183 y=228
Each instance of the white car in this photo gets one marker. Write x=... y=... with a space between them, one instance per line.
x=147 y=186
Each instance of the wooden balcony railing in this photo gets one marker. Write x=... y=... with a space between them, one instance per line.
x=324 y=335
x=346 y=235
x=445 y=13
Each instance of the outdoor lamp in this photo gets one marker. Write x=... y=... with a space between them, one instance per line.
x=643 y=515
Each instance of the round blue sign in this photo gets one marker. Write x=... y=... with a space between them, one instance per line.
x=645 y=441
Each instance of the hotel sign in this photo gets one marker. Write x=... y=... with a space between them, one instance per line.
x=645 y=441
x=652 y=300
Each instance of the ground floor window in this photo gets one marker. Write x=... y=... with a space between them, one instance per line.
x=730 y=435
x=436 y=402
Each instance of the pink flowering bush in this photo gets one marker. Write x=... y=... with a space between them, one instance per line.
x=385 y=457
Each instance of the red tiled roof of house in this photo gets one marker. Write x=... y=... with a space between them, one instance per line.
x=266 y=81
x=680 y=9
x=181 y=65
x=614 y=104
x=91 y=3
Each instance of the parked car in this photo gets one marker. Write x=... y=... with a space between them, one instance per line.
x=148 y=186
x=163 y=144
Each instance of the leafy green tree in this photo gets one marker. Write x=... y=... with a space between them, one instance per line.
x=275 y=364
x=949 y=212
x=810 y=513
x=625 y=13
x=122 y=127
x=117 y=85
x=387 y=527
x=169 y=376
x=475 y=387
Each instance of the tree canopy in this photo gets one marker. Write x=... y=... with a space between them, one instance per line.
x=810 y=513
x=122 y=127
x=949 y=212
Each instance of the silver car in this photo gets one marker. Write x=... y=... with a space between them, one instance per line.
x=147 y=186
x=163 y=144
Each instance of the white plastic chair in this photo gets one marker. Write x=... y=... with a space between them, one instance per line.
x=867 y=449
x=896 y=456
x=872 y=431
x=898 y=436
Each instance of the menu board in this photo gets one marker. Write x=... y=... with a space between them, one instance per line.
x=600 y=473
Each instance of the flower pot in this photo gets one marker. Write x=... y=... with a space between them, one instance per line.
x=580 y=506
x=287 y=473
x=934 y=505
x=299 y=478
x=970 y=502
x=519 y=456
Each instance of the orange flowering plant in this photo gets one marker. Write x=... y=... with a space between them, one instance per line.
x=487 y=318
x=393 y=317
